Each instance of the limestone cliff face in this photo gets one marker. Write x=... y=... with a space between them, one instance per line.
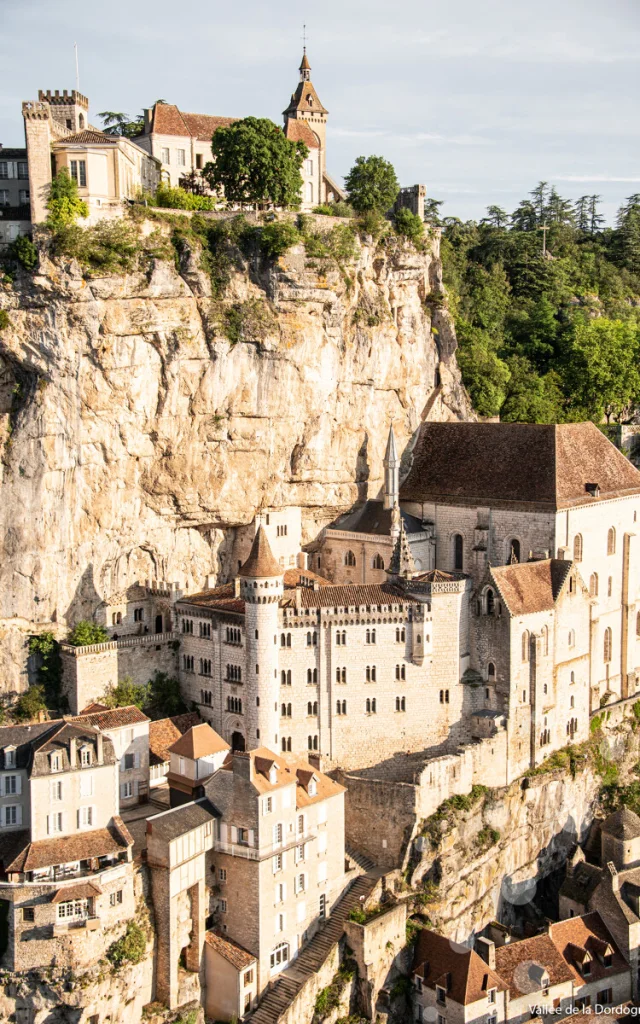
x=135 y=436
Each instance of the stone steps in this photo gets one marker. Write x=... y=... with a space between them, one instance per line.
x=278 y=999
x=360 y=859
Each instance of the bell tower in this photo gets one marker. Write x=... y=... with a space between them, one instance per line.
x=305 y=105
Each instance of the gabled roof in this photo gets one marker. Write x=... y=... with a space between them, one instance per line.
x=300 y=100
x=199 y=741
x=297 y=130
x=622 y=824
x=92 y=137
x=514 y=961
x=374 y=518
x=260 y=563
x=165 y=732
x=587 y=938
x=59 y=741
x=45 y=853
x=289 y=769
x=460 y=971
x=529 y=587
x=167 y=119
x=516 y=464
x=21 y=738
x=235 y=954
x=112 y=718
x=353 y=595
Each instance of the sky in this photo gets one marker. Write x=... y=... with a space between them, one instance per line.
x=478 y=101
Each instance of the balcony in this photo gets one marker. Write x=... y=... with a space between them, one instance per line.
x=262 y=852
x=87 y=924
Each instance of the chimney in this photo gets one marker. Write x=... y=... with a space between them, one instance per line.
x=315 y=761
x=487 y=950
x=100 y=748
x=72 y=752
x=613 y=874
x=241 y=764
x=563 y=554
x=298 y=600
x=236 y=587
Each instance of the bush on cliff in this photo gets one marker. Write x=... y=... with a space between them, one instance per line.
x=63 y=203
x=24 y=251
x=130 y=949
x=410 y=226
x=277 y=237
x=181 y=199
x=85 y=633
x=4 y=320
x=29 y=705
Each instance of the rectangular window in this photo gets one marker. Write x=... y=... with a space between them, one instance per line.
x=181 y=157
x=4 y=196
x=85 y=756
x=126 y=790
x=248 y=978
x=115 y=898
x=56 y=789
x=54 y=823
x=223 y=906
x=441 y=995
x=277 y=863
x=605 y=996
x=23 y=170
x=129 y=762
x=166 y=156
x=4 y=169
x=85 y=817
x=199 y=161
x=28 y=913
x=10 y=785
x=222 y=874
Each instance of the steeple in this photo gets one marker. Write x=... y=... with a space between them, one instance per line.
x=402 y=563
x=260 y=564
x=391 y=472
x=305 y=67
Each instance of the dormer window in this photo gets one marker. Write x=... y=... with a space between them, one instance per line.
x=607 y=959
x=273 y=775
x=313 y=787
x=56 y=763
x=85 y=756
x=9 y=757
x=441 y=995
x=586 y=968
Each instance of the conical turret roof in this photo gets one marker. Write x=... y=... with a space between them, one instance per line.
x=402 y=563
x=391 y=454
x=304 y=64
x=260 y=562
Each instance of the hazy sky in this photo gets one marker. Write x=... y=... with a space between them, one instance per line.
x=477 y=100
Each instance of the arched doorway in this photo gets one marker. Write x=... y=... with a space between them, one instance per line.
x=158 y=623
x=237 y=741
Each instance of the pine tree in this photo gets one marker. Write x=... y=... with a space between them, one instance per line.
x=559 y=210
x=540 y=200
x=595 y=218
x=496 y=217
x=581 y=213
x=524 y=218
x=628 y=222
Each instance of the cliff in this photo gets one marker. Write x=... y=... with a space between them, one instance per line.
x=137 y=429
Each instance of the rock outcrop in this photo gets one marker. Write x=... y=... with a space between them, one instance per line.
x=135 y=436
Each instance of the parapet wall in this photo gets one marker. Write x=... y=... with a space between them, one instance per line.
x=88 y=671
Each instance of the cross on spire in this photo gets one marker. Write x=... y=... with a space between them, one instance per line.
x=304 y=37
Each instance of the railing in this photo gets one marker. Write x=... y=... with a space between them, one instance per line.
x=262 y=852
x=115 y=645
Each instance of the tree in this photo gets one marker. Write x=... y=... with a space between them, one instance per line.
x=115 y=122
x=85 y=633
x=604 y=366
x=165 y=697
x=628 y=223
x=29 y=704
x=531 y=398
x=496 y=217
x=432 y=210
x=126 y=693
x=581 y=213
x=595 y=219
x=559 y=210
x=524 y=217
x=485 y=375
x=64 y=203
x=410 y=225
x=540 y=197
x=371 y=185
x=255 y=164
x=192 y=182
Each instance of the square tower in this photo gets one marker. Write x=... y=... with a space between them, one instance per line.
x=68 y=109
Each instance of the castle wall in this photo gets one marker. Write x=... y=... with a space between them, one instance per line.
x=88 y=671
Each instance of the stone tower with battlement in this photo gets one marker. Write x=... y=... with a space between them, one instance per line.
x=261 y=587
x=69 y=110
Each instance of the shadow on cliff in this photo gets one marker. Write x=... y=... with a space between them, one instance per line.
x=85 y=601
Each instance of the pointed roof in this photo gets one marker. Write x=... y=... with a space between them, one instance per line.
x=199 y=741
x=527 y=587
x=391 y=454
x=304 y=63
x=298 y=130
x=622 y=824
x=463 y=974
x=402 y=563
x=261 y=562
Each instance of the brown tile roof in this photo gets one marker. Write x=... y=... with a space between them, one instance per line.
x=82 y=891
x=297 y=130
x=374 y=518
x=296 y=577
x=199 y=741
x=353 y=595
x=90 y=136
x=289 y=769
x=164 y=733
x=300 y=100
x=237 y=956
x=622 y=824
x=578 y=936
x=464 y=974
x=505 y=464
x=439 y=576
x=167 y=119
x=514 y=962
x=59 y=740
x=45 y=853
x=92 y=708
x=261 y=562
x=223 y=598
x=113 y=718
x=528 y=587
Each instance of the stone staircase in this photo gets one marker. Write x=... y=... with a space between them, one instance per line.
x=360 y=859
x=279 y=998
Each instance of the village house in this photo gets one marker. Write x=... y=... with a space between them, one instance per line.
x=128 y=730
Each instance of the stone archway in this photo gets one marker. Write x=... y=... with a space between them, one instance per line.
x=238 y=741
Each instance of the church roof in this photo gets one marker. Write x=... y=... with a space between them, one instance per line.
x=373 y=518
x=300 y=100
x=304 y=63
x=402 y=563
x=298 y=130
x=622 y=824
x=168 y=119
x=261 y=562
x=543 y=466
x=391 y=454
x=529 y=587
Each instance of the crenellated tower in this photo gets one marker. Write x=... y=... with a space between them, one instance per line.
x=261 y=587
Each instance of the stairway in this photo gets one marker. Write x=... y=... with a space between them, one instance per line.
x=312 y=956
x=359 y=858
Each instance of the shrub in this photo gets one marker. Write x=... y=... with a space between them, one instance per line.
x=410 y=225
x=30 y=704
x=181 y=199
x=372 y=185
x=64 y=203
x=24 y=251
x=164 y=696
x=49 y=666
x=371 y=223
x=277 y=237
x=338 y=209
x=4 y=320
x=85 y=633
x=128 y=949
x=126 y=693
x=108 y=247
x=250 y=321
x=358 y=915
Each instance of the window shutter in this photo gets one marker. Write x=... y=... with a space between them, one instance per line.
x=122 y=768
x=48 y=824
x=79 y=819
x=223 y=832
x=122 y=796
x=234 y=834
x=18 y=784
x=136 y=760
x=284 y=861
x=251 y=837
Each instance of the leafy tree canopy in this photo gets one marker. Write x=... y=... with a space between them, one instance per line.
x=372 y=185
x=64 y=203
x=255 y=164
x=85 y=633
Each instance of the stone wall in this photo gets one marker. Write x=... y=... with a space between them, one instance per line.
x=88 y=671
x=377 y=946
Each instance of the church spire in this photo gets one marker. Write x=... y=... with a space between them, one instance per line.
x=402 y=563
x=391 y=464
x=305 y=67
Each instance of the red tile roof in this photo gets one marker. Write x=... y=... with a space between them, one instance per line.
x=352 y=595
x=91 y=136
x=113 y=718
x=460 y=971
x=199 y=741
x=167 y=119
x=514 y=963
x=300 y=100
x=165 y=732
x=298 y=130
x=578 y=936
x=544 y=466
x=261 y=562
x=530 y=587
x=236 y=955
x=45 y=853
x=83 y=890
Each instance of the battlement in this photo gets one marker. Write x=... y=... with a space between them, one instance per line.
x=64 y=98
x=34 y=111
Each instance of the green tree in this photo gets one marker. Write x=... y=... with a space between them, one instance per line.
x=410 y=225
x=540 y=199
x=581 y=213
x=254 y=163
x=604 y=366
x=432 y=210
x=525 y=217
x=46 y=650
x=64 y=203
x=29 y=704
x=85 y=633
x=531 y=398
x=485 y=375
x=596 y=220
x=165 y=697
x=628 y=223
x=126 y=693
x=371 y=185
x=496 y=217
x=24 y=251
x=559 y=210
x=130 y=949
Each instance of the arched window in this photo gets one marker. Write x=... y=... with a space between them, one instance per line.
x=573 y=702
x=491 y=670
x=608 y=644
x=611 y=541
x=490 y=601
x=288 y=711
x=284 y=744
x=315 y=707
x=283 y=640
x=280 y=955
x=397 y=703
x=514 y=550
x=349 y=558
x=309 y=708
x=308 y=639
x=610 y=586
x=572 y=638
x=283 y=678
x=373 y=636
x=458 y=552
x=309 y=191
x=442 y=696
x=315 y=675
x=378 y=562
x=338 y=706
x=368 y=706
x=310 y=676
x=593 y=584
x=344 y=707
x=288 y=639
x=525 y=645
x=403 y=704
x=373 y=706
x=344 y=675
x=80 y=121
x=283 y=710
x=577 y=547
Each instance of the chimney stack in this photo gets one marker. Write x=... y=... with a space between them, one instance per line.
x=487 y=950
x=100 y=748
x=613 y=874
x=73 y=757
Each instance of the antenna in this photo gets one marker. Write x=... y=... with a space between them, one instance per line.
x=75 y=47
x=304 y=37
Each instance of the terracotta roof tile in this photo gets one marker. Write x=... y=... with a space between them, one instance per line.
x=464 y=974
x=165 y=732
x=169 y=120
x=297 y=130
x=81 y=891
x=289 y=769
x=261 y=562
x=353 y=595
x=91 y=136
x=300 y=100
x=502 y=464
x=513 y=964
x=100 y=842
x=113 y=718
x=199 y=741
x=578 y=936
x=529 y=587
x=223 y=598
x=236 y=955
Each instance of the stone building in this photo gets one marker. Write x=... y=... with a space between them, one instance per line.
x=163 y=733
x=108 y=169
x=128 y=730
x=195 y=755
x=66 y=877
x=15 y=212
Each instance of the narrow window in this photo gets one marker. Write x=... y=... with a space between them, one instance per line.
x=458 y=552
x=611 y=541
x=577 y=547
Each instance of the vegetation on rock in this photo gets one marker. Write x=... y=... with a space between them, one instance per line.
x=85 y=633
x=372 y=185
x=130 y=949
x=25 y=252
x=63 y=202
